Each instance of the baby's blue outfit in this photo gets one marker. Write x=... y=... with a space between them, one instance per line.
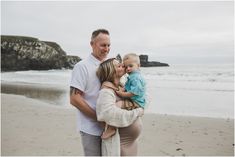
x=136 y=84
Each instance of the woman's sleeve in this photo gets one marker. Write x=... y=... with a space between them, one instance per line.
x=108 y=112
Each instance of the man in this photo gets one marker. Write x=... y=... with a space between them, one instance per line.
x=84 y=88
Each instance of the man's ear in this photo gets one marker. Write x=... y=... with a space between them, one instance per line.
x=91 y=43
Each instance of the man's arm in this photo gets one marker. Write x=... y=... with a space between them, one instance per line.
x=77 y=101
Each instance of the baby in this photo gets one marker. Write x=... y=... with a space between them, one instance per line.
x=134 y=91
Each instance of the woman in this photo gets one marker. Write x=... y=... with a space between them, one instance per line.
x=110 y=73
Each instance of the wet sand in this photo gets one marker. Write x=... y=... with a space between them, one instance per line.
x=31 y=127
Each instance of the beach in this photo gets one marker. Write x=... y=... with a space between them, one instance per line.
x=31 y=127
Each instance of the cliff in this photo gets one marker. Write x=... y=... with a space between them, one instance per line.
x=27 y=53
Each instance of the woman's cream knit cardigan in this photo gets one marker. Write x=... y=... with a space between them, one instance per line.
x=108 y=112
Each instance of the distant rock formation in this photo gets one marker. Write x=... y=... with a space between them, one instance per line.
x=119 y=58
x=27 y=53
x=144 y=61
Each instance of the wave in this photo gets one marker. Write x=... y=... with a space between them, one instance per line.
x=179 y=75
x=197 y=89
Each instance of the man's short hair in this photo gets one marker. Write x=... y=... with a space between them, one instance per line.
x=97 y=32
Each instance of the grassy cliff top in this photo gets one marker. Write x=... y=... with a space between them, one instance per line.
x=13 y=38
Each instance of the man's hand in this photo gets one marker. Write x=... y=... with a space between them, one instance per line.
x=102 y=124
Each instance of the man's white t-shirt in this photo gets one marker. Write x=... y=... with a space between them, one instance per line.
x=84 y=78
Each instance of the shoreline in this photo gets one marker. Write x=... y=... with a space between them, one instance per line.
x=32 y=127
x=53 y=94
x=58 y=95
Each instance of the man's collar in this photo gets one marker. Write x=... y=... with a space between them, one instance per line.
x=94 y=60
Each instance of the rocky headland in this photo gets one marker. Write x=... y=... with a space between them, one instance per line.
x=27 y=53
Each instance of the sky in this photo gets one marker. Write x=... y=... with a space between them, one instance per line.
x=174 y=32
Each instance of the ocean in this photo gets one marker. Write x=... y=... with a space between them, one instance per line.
x=192 y=90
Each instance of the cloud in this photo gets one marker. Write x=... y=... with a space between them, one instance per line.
x=168 y=27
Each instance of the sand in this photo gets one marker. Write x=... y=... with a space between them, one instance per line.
x=31 y=127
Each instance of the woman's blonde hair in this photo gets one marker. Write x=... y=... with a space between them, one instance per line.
x=106 y=71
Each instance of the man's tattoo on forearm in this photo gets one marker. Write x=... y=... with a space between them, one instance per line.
x=75 y=91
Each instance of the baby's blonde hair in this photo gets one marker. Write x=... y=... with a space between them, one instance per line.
x=133 y=56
